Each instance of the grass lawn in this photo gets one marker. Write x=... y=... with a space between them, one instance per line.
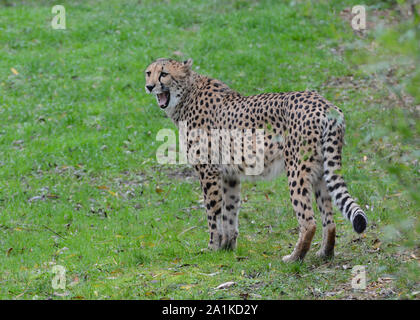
x=80 y=186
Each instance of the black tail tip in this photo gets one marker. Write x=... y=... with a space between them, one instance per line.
x=359 y=223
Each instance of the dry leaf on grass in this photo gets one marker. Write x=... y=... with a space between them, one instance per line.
x=225 y=285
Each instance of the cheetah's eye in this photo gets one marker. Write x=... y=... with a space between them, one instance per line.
x=148 y=73
x=163 y=74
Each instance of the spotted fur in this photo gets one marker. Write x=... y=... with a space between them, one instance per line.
x=303 y=134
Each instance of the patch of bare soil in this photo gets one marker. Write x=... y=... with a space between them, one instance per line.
x=385 y=84
x=177 y=172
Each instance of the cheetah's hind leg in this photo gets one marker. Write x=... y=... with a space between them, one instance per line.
x=301 y=200
x=324 y=202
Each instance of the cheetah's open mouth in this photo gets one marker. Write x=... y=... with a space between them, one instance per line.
x=163 y=99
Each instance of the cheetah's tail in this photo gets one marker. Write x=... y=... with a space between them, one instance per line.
x=332 y=142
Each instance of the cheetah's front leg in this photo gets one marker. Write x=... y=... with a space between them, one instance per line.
x=230 y=209
x=211 y=185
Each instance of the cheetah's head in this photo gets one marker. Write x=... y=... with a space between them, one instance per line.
x=167 y=79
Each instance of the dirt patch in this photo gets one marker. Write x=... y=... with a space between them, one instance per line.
x=384 y=83
x=177 y=172
x=349 y=82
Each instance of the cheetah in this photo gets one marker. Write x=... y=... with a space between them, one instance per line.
x=303 y=136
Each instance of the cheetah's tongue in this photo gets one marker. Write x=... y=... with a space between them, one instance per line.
x=162 y=99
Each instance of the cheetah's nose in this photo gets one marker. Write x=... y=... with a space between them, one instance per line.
x=150 y=88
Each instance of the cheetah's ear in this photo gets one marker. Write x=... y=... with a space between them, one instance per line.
x=188 y=63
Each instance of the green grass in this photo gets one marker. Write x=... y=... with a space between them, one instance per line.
x=80 y=186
